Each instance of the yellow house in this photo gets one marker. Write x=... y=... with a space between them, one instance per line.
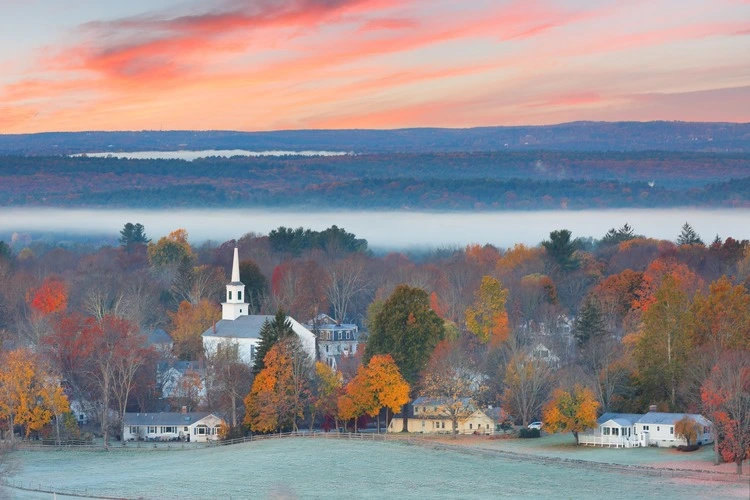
x=435 y=416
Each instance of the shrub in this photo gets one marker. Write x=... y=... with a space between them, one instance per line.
x=692 y=447
x=529 y=433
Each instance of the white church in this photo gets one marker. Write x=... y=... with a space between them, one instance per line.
x=237 y=326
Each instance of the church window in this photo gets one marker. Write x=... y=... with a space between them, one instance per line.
x=230 y=294
x=239 y=295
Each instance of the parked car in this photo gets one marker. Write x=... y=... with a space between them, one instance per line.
x=535 y=425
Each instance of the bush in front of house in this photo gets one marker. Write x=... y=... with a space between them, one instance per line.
x=529 y=433
x=692 y=447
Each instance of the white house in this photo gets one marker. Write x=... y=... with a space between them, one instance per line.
x=335 y=340
x=629 y=430
x=657 y=429
x=430 y=416
x=185 y=426
x=238 y=326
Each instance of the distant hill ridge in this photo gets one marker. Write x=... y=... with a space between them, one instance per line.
x=575 y=136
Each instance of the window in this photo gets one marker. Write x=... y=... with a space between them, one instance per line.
x=230 y=294
x=443 y=425
x=134 y=430
x=169 y=429
x=186 y=429
x=152 y=429
x=645 y=427
x=239 y=296
x=658 y=428
x=240 y=310
x=202 y=430
x=605 y=431
x=470 y=426
x=615 y=431
x=671 y=430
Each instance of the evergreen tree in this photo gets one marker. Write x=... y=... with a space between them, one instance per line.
x=560 y=248
x=132 y=235
x=617 y=236
x=270 y=333
x=689 y=236
x=589 y=324
x=5 y=252
x=255 y=283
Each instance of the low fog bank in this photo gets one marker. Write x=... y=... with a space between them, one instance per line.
x=385 y=230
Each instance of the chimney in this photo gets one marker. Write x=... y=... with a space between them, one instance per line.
x=184 y=410
x=652 y=408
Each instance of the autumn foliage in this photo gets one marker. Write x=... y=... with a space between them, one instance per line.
x=29 y=396
x=50 y=297
x=571 y=411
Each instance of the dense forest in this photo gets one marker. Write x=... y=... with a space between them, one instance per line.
x=633 y=320
x=404 y=181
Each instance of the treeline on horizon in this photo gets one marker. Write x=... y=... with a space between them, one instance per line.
x=430 y=181
x=574 y=136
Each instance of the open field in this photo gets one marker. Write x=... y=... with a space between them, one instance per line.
x=320 y=468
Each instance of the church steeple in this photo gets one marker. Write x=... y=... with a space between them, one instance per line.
x=235 y=306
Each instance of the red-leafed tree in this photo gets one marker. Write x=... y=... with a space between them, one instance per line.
x=50 y=297
x=726 y=398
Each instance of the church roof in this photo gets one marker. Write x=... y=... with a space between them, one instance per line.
x=244 y=327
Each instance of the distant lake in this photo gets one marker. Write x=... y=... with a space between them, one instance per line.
x=384 y=230
x=193 y=155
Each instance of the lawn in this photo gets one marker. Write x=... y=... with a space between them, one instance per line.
x=319 y=468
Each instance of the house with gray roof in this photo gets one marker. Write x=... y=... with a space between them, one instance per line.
x=172 y=426
x=240 y=327
x=630 y=430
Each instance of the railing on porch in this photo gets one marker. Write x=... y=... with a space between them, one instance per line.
x=609 y=441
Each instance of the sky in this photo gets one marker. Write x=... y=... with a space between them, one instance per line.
x=78 y=65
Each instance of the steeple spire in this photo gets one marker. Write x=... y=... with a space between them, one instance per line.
x=235 y=306
x=236 y=267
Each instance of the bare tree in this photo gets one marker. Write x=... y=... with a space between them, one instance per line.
x=453 y=379
x=229 y=378
x=346 y=279
x=528 y=381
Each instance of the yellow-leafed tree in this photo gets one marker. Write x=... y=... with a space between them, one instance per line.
x=571 y=411
x=28 y=395
x=486 y=317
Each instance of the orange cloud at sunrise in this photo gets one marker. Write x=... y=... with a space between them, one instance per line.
x=286 y=64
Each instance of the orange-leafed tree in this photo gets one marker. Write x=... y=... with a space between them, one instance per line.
x=358 y=398
x=688 y=429
x=50 y=297
x=188 y=324
x=388 y=386
x=486 y=317
x=261 y=405
x=280 y=391
x=571 y=411
x=721 y=319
